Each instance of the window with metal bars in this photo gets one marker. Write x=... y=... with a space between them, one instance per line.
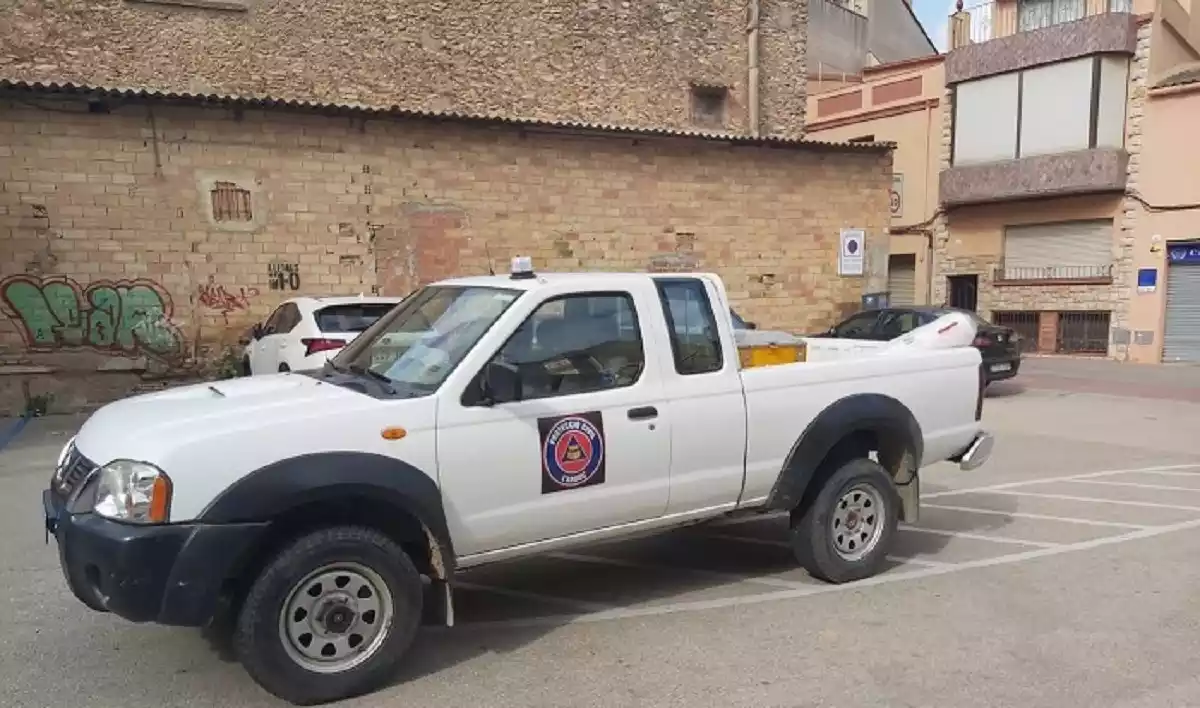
x=1024 y=324
x=231 y=203
x=1083 y=332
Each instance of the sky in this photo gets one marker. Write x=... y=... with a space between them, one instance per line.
x=934 y=16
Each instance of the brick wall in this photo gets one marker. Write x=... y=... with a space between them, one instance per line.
x=113 y=258
x=625 y=62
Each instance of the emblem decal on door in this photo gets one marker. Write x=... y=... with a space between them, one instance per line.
x=572 y=451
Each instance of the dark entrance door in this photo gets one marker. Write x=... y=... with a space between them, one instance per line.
x=964 y=291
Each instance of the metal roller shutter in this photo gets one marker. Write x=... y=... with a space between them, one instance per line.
x=1181 y=337
x=1070 y=249
x=902 y=279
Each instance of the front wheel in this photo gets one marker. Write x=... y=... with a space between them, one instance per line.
x=330 y=617
x=845 y=533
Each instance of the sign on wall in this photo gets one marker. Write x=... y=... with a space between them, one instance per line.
x=850 y=255
x=897 y=194
x=1184 y=254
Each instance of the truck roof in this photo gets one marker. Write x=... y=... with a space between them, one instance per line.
x=597 y=279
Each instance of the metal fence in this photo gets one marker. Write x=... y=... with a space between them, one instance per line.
x=1083 y=332
x=1025 y=324
x=992 y=20
x=1004 y=273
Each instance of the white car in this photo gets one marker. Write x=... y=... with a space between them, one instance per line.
x=489 y=418
x=303 y=332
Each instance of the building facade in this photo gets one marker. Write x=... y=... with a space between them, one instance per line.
x=171 y=171
x=1063 y=193
x=899 y=103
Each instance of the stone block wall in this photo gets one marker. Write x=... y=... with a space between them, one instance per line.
x=139 y=243
x=623 y=62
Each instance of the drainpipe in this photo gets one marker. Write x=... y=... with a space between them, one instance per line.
x=752 y=100
x=928 y=175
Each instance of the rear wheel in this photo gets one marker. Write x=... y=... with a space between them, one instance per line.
x=845 y=533
x=330 y=617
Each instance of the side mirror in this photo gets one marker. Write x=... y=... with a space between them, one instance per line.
x=256 y=332
x=751 y=325
x=499 y=383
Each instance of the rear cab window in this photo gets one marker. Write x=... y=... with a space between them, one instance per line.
x=695 y=339
x=349 y=318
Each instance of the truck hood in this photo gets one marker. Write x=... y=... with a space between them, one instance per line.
x=140 y=423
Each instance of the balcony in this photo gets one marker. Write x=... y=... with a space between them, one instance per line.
x=1007 y=35
x=1054 y=275
x=1050 y=130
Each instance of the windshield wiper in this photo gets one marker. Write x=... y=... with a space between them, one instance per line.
x=371 y=373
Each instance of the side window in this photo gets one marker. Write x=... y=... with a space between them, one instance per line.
x=858 y=326
x=576 y=344
x=695 y=339
x=898 y=323
x=289 y=319
x=271 y=326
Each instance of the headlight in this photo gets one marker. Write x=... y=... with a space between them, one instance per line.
x=136 y=492
x=62 y=455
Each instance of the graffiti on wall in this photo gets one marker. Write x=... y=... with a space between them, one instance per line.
x=114 y=316
x=284 y=276
x=225 y=301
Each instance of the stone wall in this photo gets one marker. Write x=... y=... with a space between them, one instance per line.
x=141 y=242
x=1124 y=268
x=624 y=62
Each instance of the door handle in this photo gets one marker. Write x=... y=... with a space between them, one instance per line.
x=643 y=413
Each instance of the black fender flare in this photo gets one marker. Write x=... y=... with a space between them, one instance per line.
x=273 y=490
x=862 y=412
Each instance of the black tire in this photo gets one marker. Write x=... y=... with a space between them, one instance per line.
x=284 y=368
x=259 y=642
x=246 y=367
x=812 y=534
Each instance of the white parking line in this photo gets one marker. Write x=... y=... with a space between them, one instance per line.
x=882 y=579
x=1170 y=473
x=1064 y=478
x=1096 y=500
x=727 y=577
x=979 y=537
x=1136 y=485
x=785 y=544
x=1039 y=517
x=581 y=605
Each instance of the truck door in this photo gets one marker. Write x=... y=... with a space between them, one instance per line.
x=582 y=440
x=708 y=407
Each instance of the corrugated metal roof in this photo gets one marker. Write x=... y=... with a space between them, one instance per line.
x=400 y=112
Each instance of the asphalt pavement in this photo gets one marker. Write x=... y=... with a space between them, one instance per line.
x=1062 y=572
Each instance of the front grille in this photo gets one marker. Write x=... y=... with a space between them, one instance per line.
x=75 y=468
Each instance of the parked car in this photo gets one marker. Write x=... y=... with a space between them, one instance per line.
x=534 y=413
x=999 y=347
x=303 y=332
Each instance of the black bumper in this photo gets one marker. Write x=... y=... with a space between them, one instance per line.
x=171 y=574
x=990 y=375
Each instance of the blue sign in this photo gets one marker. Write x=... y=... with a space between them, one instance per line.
x=1147 y=279
x=1183 y=254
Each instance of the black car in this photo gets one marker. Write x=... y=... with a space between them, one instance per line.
x=999 y=346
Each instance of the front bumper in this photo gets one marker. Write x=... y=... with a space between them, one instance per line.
x=170 y=574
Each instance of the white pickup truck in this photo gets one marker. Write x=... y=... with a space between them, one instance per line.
x=531 y=413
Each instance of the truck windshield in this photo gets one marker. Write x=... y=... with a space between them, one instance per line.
x=418 y=344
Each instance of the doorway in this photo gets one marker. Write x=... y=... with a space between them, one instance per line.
x=964 y=291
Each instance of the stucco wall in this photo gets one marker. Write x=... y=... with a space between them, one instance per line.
x=1170 y=175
